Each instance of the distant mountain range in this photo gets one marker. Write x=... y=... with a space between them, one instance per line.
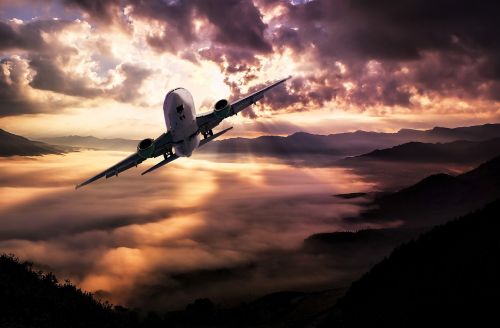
x=14 y=145
x=462 y=151
x=94 y=143
x=341 y=144
x=350 y=143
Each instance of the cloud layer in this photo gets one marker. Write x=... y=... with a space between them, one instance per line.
x=386 y=58
x=160 y=241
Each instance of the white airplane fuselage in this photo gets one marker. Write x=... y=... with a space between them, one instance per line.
x=180 y=119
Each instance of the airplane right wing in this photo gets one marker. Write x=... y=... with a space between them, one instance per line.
x=251 y=99
x=208 y=121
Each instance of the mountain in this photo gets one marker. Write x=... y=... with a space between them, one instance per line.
x=438 y=197
x=453 y=152
x=379 y=241
x=348 y=144
x=340 y=144
x=94 y=143
x=12 y=145
x=30 y=298
x=448 y=277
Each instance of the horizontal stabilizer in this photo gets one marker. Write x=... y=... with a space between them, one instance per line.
x=160 y=164
x=218 y=134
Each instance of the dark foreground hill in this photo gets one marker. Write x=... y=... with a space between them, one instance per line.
x=448 y=277
x=32 y=299
x=12 y=145
x=29 y=298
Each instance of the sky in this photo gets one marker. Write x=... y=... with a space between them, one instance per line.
x=214 y=227
x=102 y=68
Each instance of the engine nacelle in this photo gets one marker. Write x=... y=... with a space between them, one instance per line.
x=222 y=108
x=146 y=148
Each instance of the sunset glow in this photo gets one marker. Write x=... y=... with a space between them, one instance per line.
x=233 y=224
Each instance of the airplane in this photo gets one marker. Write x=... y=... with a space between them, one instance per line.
x=182 y=136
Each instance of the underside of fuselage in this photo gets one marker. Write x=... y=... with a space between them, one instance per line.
x=180 y=120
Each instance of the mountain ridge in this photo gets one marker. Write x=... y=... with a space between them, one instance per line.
x=337 y=144
x=460 y=151
x=448 y=276
x=15 y=145
x=438 y=196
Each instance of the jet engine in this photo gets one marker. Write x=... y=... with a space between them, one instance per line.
x=222 y=108
x=146 y=148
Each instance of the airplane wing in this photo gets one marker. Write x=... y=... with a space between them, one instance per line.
x=251 y=99
x=210 y=120
x=132 y=160
x=162 y=144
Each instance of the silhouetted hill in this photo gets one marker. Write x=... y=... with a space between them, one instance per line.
x=379 y=240
x=94 y=143
x=473 y=133
x=439 y=197
x=12 y=145
x=447 y=277
x=453 y=152
x=30 y=298
x=348 y=144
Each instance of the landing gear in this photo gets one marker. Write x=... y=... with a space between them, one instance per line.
x=207 y=134
x=168 y=153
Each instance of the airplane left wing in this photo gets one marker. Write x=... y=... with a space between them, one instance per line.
x=133 y=160
x=160 y=146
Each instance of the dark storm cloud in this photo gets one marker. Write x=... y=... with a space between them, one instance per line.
x=103 y=10
x=300 y=93
x=28 y=36
x=41 y=66
x=128 y=91
x=237 y=23
x=49 y=76
x=450 y=47
x=443 y=47
x=394 y=29
x=40 y=70
x=13 y=98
